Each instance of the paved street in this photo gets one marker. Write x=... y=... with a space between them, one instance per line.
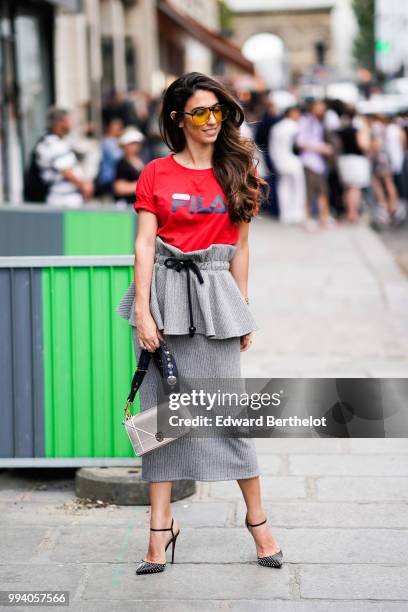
x=397 y=243
x=332 y=304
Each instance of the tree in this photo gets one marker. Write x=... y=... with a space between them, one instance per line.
x=225 y=18
x=364 y=42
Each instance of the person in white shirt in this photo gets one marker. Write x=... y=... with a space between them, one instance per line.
x=291 y=182
x=395 y=143
x=58 y=163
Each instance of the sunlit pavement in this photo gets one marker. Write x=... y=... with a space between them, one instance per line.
x=328 y=304
x=331 y=303
x=397 y=242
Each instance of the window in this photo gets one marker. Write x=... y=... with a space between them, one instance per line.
x=130 y=59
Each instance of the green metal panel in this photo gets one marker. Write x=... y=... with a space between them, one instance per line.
x=99 y=233
x=88 y=361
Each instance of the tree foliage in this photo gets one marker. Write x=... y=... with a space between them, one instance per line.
x=225 y=17
x=364 y=42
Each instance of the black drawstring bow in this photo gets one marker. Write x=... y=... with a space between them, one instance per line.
x=177 y=264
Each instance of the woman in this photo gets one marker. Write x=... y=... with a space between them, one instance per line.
x=383 y=183
x=291 y=183
x=129 y=167
x=353 y=164
x=197 y=203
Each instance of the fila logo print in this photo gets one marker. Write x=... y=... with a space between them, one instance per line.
x=180 y=196
x=196 y=203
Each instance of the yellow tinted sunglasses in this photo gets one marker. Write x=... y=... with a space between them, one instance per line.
x=202 y=114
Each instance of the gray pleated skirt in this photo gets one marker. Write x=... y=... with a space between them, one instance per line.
x=221 y=316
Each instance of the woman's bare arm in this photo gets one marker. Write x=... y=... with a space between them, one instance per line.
x=239 y=267
x=240 y=262
x=143 y=269
x=363 y=139
x=124 y=188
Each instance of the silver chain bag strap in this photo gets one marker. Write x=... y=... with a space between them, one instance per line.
x=142 y=428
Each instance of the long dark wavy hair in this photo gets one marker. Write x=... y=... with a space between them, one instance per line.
x=234 y=162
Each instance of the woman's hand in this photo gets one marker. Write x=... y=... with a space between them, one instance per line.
x=148 y=333
x=246 y=342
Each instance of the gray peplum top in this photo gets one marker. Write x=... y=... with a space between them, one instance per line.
x=199 y=295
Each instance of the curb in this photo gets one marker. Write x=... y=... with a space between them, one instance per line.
x=123 y=486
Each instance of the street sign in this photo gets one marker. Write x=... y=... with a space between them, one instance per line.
x=383 y=46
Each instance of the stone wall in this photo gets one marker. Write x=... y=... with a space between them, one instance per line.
x=299 y=31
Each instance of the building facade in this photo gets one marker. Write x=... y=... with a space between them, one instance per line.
x=305 y=35
x=76 y=53
x=27 y=85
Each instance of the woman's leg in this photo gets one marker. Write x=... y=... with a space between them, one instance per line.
x=265 y=542
x=352 y=197
x=324 y=207
x=392 y=194
x=299 y=192
x=379 y=191
x=160 y=518
x=285 y=200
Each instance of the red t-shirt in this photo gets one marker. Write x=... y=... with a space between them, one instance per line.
x=190 y=205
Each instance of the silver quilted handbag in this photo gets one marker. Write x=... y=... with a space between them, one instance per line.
x=142 y=428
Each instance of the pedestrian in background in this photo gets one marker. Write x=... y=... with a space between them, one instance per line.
x=111 y=153
x=383 y=181
x=58 y=164
x=270 y=116
x=395 y=145
x=354 y=166
x=314 y=152
x=291 y=176
x=129 y=167
x=331 y=123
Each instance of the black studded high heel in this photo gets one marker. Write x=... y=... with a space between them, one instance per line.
x=275 y=560
x=147 y=567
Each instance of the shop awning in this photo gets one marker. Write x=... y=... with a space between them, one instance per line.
x=217 y=43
